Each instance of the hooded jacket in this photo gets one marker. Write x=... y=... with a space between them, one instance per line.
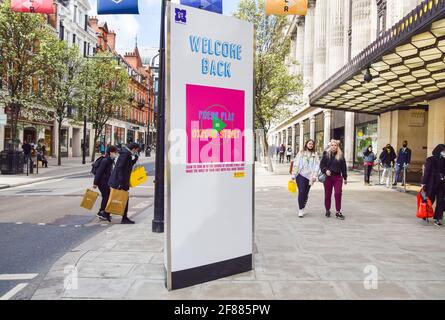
x=434 y=171
x=388 y=157
x=120 y=177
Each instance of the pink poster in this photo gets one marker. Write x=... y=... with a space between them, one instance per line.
x=215 y=127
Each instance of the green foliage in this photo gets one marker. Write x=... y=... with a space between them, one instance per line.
x=20 y=36
x=104 y=87
x=275 y=87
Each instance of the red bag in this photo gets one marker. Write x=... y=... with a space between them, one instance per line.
x=424 y=206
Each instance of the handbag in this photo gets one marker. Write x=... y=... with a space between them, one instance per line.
x=424 y=206
x=292 y=186
x=89 y=199
x=117 y=202
x=321 y=177
x=138 y=176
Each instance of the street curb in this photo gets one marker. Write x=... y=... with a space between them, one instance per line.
x=42 y=179
x=2 y=187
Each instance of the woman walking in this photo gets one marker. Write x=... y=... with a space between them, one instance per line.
x=305 y=168
x=433 y=181
x=333 y=165
x=368 y=159
x=102 y=173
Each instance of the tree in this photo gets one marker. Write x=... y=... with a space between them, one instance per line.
x=104 y=89
x=20 y=37
x=61 y=90
x=275 y=87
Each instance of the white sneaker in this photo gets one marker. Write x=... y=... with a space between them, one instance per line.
x=301 y=213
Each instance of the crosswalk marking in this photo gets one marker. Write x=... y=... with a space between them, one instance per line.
x=13 y=291
x=18 y=276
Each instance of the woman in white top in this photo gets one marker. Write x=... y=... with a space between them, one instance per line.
x=305 y=167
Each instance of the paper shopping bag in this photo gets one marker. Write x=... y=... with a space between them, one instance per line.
x=117 y=202
x=89 y=199
x=138 y=176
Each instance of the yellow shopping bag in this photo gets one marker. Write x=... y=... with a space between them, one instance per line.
x=138 y=176
x=292 y=186
x=117 y=202
x=89 y=199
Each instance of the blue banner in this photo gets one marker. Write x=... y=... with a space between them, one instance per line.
x=209 y=5
x=117 y=7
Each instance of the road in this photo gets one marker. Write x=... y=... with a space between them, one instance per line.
x=40 y=222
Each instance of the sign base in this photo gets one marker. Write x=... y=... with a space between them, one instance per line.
x=190 y=277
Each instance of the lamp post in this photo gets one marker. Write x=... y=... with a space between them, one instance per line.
x=158 y=219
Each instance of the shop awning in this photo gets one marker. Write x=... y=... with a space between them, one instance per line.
x=407 y=64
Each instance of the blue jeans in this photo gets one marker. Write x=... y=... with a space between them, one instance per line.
x=399 y=169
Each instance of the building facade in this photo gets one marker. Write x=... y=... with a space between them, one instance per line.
x=332 y=37
x=70 y=24
x=133 y=121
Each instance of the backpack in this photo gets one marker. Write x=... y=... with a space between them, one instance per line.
x=96 y=165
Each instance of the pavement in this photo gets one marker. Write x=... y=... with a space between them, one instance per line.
x=381 y=251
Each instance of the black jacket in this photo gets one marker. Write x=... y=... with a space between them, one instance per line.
x=388 y=157
x=337 y=167
x=404 y=156
x=103 y=173
x=120 y=177
x=434 y=172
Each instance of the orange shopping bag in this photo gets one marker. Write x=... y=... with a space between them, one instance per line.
x=424 y=206
x=117 y=202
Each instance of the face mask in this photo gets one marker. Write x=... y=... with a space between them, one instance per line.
x=405 y=145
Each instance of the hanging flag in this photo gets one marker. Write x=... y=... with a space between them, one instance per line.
x=33 y=6
x=286 y=7
x=209 y=5
x=117 y=7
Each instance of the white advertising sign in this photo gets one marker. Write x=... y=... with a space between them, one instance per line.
x=210 y=165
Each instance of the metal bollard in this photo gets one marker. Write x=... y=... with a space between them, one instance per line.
x=404 y=179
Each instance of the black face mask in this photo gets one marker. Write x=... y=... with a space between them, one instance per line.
x=405 y=145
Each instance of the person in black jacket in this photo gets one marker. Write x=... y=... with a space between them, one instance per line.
x=103 y=173
x=387 y=158
x=120 y=177
x=433 y=181
x=403 y=161
x=333 y=165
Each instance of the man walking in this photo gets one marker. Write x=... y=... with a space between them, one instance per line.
x=403 y=161
x=120 y=177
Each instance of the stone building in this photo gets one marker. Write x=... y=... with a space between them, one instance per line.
x=336 y=44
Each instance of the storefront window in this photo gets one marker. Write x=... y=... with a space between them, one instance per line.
x=64 y=143
x=365 y=135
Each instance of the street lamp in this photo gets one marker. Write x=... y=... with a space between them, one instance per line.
x=158 y=219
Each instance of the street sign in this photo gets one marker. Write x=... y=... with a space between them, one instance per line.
x=209 y=5
x=3 y=119
x=209 y=126
x=286 y=7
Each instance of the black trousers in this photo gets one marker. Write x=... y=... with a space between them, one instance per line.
x=105 y=192
x=439 y=196
x=303 y=191
x=368 y=170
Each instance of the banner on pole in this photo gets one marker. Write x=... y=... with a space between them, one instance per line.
x=286 y=7
x=209 y=5
x=117 y=7
x=210 y=161
x=33 y=6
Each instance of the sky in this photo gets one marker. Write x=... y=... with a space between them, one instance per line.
x=145 y=25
